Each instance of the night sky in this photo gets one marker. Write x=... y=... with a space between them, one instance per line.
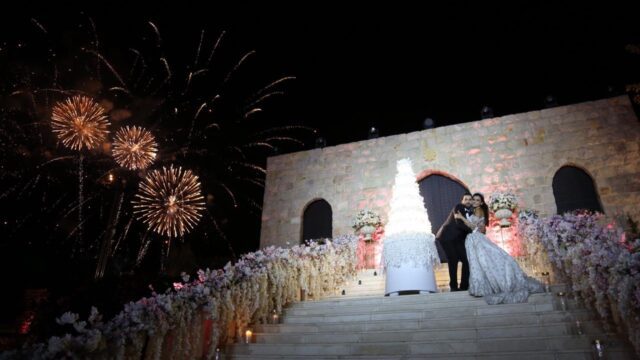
x=383 y=66
x=393 y=66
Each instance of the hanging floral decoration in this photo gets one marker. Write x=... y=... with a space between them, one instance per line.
x=198 y=315
x=597 y=259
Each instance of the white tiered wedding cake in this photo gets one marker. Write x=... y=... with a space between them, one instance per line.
x=409 y=251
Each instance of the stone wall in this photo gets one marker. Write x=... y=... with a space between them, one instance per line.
x=521 y=152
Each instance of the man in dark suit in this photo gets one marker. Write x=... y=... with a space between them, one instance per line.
x=451 y=236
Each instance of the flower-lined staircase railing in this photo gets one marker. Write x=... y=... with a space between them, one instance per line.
x=193 y=319
x=596 y=259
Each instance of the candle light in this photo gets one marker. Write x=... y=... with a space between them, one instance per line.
x=598 y=349
x=563 y=301
x=274 y=317
x=247 y=336
x=547 y=285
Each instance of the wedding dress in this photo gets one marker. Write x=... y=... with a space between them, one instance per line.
x=495 y=275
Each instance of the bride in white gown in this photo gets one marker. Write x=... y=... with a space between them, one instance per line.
x=494 y=274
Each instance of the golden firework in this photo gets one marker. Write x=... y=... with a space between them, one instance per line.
x=169 y=201
x=80 y=122
x=134 y=147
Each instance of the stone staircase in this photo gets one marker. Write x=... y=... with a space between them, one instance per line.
x=363 y=324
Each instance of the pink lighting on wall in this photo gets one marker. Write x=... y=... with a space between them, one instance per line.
x=370 y=255
x=506 y=238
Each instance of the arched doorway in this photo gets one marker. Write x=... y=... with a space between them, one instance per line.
x=440 y=193
x=573 y=189
x=317 y=221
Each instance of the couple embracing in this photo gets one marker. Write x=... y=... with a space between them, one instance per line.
x=487 y=270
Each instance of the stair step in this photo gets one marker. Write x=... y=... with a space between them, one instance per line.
x=370 y=300
x=341 y=300
x=590 y=328
x=442 y=310
x=493 y=320
x=521 y=355
x=480 y=346
x=362 y=289
x=422 y=302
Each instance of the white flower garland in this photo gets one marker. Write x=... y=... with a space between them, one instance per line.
x=219 y=303
x=599 y=263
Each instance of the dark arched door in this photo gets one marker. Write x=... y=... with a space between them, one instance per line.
x=440 y=194
x=317 y=221
x=574 y=189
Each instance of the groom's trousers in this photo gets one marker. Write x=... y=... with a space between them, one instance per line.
x=456 y=252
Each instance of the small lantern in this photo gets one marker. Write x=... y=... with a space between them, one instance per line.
x=598 y=349
x=563 y=301
x=547 y=282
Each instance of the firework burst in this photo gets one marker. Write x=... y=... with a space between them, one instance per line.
x=169 y=201
x=206 y=111
x=134 y=147
x=80 y=122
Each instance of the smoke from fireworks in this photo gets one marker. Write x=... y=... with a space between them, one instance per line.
x=80 y=122
x=134 y=148
x=169 y=201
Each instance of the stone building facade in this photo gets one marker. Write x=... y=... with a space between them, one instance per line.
x=521 y=152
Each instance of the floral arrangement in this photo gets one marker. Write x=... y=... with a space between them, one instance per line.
x=366 y=217
x=534 y=250
x=500 y=200
x=192 y=319
x=597 y=259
